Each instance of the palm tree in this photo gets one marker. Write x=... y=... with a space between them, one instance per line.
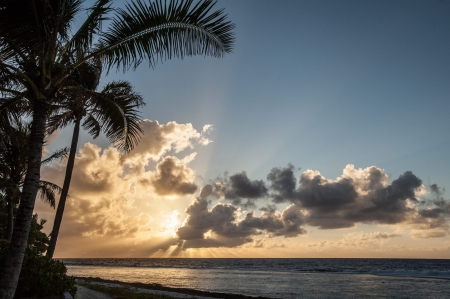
x=113 y=111
x=36 y=47
x=14 y=149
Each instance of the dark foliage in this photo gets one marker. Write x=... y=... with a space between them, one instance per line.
x=40 y=276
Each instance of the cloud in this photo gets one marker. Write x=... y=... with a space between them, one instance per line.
x=100 y=194
x=112 y=194
x=358 y=241
x=238 y=187
x=159 y=139
x=428 y=234
x=223 y=226
x=173 y=178
x=114 y=197
x=358 y=196
x=283 y=182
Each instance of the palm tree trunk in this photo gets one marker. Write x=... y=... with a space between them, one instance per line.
x=9 y=229
x=14 y=258
x=65 y=189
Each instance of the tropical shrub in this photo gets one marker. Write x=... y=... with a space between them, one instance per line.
x=40 y=275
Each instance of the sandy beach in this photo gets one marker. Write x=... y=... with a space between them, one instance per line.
x=156 y=289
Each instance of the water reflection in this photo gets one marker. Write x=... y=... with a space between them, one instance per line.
x=275 y=284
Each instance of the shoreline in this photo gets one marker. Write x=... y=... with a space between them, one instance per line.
x=160 y=289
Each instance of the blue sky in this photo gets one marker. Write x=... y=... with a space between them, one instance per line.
x=319 y=84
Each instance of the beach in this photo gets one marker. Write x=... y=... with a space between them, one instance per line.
x=87 y=284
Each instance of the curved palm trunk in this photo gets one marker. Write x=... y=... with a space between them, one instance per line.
x=9 y=229
x=65 y=189
x=13 y=263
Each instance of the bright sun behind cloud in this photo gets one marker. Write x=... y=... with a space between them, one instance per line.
x=171 y=224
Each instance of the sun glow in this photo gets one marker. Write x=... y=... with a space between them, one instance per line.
x=171 y=224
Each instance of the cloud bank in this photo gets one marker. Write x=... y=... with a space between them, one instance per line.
x=358 y=196
x=136 y=202
x=113 y=195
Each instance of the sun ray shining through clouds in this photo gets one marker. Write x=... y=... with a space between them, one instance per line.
x=151 y=203
x=322 y=135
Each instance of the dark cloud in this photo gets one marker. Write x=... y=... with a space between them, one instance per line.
x=221 y=220
x=358 y=196
x=283 y=182
x=238 y=187
x=173 y=178
x=317 y=193
x=223 y=223
x=389 y=204
x=438 y=198
x=435 y=216
x=431 y=213
x=269 y=208
x=293 y=218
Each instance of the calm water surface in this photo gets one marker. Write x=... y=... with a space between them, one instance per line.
x=281 y=278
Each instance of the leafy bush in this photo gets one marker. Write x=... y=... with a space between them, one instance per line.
x=40 y=275
x=43 y=276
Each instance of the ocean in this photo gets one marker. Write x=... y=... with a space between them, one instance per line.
x=281 y=278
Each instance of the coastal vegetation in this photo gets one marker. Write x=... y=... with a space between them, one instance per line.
x=40 y=276
x=14 y=150
x=40 y=56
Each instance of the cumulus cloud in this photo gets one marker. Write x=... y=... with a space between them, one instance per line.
x=239 y=187
x=358 y=196
x=224 y=226
x=100 y=193
x=112 y=193
x=173 y=178
x=159 y=139
x=109 y=190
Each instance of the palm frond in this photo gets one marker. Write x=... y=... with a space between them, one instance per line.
x=116 y=109
x=10 y=83
x=16 y=22
x=86 y=76
x=58 y=154
x=92 y=126
x=82 y=39
x=12 y=108
x=26 y=26
x=59 y=121
x=47 y=192
x=69 y=9
x=157 y=31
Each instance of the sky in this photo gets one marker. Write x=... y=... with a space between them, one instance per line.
x=324 y=134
